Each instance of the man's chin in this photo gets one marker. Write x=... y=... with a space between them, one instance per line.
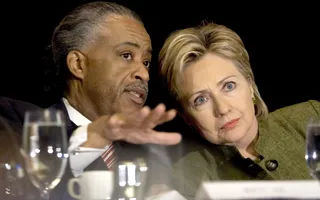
x=130 y=108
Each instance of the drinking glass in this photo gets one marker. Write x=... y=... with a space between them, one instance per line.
x=142 y=171
x=313 y=147
x=45 y=148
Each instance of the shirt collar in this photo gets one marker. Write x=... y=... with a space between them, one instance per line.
x=74 y=115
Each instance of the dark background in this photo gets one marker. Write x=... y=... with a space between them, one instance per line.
x=282 y=40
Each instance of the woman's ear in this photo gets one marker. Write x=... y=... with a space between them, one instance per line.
x=250 y=83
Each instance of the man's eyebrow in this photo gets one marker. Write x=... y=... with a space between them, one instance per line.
x=133 y=45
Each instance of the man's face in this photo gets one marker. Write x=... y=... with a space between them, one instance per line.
x=118 y=66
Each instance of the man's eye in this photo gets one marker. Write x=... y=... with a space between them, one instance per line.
x=147 y=64
x=127 y=56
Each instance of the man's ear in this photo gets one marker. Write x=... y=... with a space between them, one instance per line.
x=76 y=62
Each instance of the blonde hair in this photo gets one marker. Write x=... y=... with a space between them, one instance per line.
x=188 y=45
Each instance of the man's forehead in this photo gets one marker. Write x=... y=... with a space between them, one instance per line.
x=126 y=31
x=115 y=23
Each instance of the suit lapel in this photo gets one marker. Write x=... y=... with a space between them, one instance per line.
x=98 y=164
x=70 y=125
x=60 y=191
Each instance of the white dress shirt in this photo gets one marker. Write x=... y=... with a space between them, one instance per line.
x=80 y=157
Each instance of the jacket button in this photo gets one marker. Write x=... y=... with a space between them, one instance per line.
x=272 y=165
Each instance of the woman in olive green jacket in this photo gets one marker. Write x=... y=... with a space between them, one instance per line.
x=207 y=71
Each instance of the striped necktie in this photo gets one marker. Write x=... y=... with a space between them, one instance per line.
x=109 y=156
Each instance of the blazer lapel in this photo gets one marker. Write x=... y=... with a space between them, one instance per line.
x=70 y=125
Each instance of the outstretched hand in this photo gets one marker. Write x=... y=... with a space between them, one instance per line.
x=136 y=128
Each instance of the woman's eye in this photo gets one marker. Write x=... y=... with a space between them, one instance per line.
x=229 y=86
x=200 y=100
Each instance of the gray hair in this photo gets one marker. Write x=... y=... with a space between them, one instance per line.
x=78 y=29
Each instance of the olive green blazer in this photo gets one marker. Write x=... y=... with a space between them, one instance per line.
x=281 y=144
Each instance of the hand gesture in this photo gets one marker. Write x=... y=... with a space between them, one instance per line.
x=136 y=128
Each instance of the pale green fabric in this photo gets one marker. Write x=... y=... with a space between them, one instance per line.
x=281 y=138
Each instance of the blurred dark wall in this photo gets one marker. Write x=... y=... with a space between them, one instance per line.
x=282 y=40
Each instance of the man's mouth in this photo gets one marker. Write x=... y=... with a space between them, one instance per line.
x=138 y=95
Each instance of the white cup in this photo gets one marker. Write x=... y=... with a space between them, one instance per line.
x=94 y=185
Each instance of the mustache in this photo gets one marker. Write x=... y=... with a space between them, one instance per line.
x=142 y=85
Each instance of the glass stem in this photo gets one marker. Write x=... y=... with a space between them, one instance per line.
x=45 y=195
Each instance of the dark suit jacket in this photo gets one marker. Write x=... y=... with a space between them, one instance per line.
x=158 y=161
x=156 y=157
x=12 y=111
x=97 y=164
x=60 y=192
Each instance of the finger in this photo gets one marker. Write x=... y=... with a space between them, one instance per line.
x=114 y=124
x=153 y=137
x=139 y=117
x=116 y=120
x=121 y=125
x=168 y=116
x=136 y=138
x=164 y=138
x=144 y=112
x=152 y=120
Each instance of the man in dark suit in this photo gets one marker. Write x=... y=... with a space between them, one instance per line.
x=102 y=53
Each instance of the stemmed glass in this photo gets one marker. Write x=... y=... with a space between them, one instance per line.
x=313 y=147
x=141 y=171
x=45 y=148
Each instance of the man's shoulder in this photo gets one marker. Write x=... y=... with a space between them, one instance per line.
x=57 y=105
x=10 y=106
x=12 y=111
x=7 y=101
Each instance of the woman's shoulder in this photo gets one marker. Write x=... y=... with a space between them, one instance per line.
x=295 y=116
x=298 y=110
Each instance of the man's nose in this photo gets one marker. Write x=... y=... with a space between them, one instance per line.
x=141 y=73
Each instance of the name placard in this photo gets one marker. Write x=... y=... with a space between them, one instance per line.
x=298 y=189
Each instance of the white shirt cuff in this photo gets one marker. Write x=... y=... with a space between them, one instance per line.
x=81 y=157
x=78 y=137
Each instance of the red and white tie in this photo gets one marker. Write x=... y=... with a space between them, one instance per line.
x=109 y=156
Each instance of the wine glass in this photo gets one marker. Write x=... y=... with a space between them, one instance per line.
x=313 y=147
x=142 y=171
x=45 y=148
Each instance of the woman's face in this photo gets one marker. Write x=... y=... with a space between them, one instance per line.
x=218 y=100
